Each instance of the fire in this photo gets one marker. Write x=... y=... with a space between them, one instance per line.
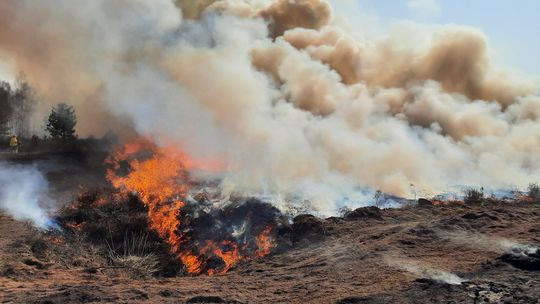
x=264 y=243
x=75 y=226
x=159 y=181
x=57 y=240
x=229 y=257
x=160 y=176
x=192 y=262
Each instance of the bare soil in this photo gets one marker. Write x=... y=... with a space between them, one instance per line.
x=405 y=255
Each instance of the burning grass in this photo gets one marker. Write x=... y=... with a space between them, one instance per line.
x=214 y=240
x=149 y=223
x=153 y=222
x=203 y=238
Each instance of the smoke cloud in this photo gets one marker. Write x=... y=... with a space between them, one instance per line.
x=292 y=102
x=23 y=194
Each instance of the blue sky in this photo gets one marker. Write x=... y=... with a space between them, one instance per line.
x=512 y=27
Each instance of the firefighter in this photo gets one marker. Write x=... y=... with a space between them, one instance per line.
x=14 y=144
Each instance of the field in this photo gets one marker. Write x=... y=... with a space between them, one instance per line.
x=420 y=253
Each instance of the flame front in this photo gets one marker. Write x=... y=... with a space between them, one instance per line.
x=161 y=180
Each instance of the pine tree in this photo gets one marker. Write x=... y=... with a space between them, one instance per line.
x=61 y=122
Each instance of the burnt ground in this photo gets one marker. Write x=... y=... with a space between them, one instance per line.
x=414 y=254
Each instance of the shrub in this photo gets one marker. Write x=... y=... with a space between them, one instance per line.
x=474 y=196
x=534 y=191
x=344 y=210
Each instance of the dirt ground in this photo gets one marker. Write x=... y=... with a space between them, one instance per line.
x=414 y=254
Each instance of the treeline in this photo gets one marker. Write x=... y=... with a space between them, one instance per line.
x=17 y=105
x=56 y=132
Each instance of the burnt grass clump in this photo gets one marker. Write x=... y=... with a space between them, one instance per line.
x=117 y=225
x=241 y=220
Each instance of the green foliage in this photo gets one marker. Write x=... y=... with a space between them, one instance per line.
x=61 y=122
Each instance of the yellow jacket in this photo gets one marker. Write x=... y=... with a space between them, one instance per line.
x=13 y=142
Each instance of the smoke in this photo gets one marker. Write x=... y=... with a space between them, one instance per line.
x=492 y=244
x=423 y=270
x=294 y=103
x=23 y=194
x=285 y=15
x=193 y=9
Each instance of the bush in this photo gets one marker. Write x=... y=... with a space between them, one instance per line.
x=474 y=196
x=344 y=210
x=534 y=191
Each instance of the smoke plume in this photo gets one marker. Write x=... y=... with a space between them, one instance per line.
x=23 y=194
x=294 y=104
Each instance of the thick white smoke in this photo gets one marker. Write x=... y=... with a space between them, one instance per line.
x=294 y=103
x=23 y=194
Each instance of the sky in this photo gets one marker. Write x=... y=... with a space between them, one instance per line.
x=512 y=27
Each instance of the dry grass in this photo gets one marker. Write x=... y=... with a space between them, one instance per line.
x=121 y=220
x=138 y=266
x=134 y=256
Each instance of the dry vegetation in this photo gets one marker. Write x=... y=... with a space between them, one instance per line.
x=116 y=226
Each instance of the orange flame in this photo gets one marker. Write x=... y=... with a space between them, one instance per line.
x=160 y=182
x=264 y=243
x=75 y=226
x=229 y=257
x=57 y=240
x=192 y=262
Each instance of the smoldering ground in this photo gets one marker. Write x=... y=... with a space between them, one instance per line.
x=289 y=106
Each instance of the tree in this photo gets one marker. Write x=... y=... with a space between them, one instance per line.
x=534 y=191
x=22 y=101
x=61 y=122
x=5 y=107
